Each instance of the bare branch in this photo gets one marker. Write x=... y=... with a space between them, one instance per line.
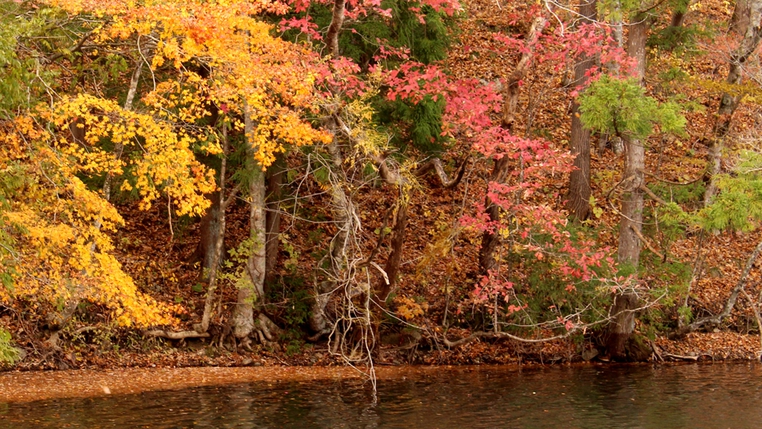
x=648 y=245
x=175 y=335
x=653 y=196
x=445 y=181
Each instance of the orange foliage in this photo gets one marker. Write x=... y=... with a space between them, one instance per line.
x=56 y=225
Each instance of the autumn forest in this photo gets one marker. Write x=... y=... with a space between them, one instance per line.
x=192 y=182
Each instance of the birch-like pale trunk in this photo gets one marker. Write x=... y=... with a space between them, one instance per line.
x=252 y=292
x=631 y=222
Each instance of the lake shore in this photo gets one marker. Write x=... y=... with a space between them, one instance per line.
x=73 y=374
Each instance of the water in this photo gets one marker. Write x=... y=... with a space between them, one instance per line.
x=644 y=396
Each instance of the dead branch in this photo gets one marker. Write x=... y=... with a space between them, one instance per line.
x=669 y=182
x=574 y=330
x=681 y=357
x=653 y=196
x=647 y=244
x=175 y=335
x=499 y=335
x=731 y=302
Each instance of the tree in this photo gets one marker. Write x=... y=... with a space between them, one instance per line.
x=737 y=206
x=746 y=23
x=490 y=237
x=621 y=108
x=579 y=179
x=226 y=39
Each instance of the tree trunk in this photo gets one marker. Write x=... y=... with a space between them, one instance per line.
x=491 y=239
x=731 y=302
x=337 y=22
x=252 y=290
x=631 y=224
x=392 y=266
x=342 y=203
x=214 y=248
x=745 y=23
x=579 y=179
x=274 y=194
x=211 y=230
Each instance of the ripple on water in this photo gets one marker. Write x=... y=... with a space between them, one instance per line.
x=697 y=396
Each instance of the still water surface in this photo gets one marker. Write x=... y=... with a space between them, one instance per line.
x=682 y=396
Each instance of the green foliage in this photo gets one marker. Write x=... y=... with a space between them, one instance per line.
x=292 y=262
x=422 y=120
x=235 y=265
x=9 y=354
x=673 y=221
x=15 y=73
x=680 y=194
x=620 y=107
x=428 y=41
x=617 y=10
x=626 y=269
x=738 y=205
x=677 y=39
x=364 y=41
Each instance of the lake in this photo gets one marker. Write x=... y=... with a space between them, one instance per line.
x=586 y=396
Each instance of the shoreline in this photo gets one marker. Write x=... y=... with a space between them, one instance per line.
x=173 y=369
x=93 y=383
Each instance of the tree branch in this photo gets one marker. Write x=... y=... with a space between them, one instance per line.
x=175 y=335
x=648 y=245
x=649 y=174
x=445 y=181
x=653 y=196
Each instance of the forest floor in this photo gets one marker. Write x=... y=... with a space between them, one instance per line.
x=159 y=256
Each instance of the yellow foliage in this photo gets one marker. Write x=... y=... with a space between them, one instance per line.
x=55 y=225
x=58 y=226
x=408 y=309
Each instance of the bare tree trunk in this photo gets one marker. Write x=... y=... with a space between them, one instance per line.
x=252 y=290
x=491 y=239
x=400 y=220
x=746 y=24
x=631 y=223
x=211 y=231
x=274 y=194
x=392 y=266
x=337 y=22
x=343 y=216
x=210 y=273
x=579 y=179
x=214 y=249
x=680 y=11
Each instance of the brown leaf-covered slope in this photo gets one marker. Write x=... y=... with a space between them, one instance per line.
x=440 y=258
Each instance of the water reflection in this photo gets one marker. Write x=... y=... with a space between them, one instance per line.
x=696 y=396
